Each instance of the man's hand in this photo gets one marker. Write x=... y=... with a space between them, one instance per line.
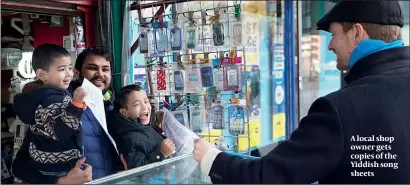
x=78 y=175
x=167 y=147
x=200 y=148
x=79 y=95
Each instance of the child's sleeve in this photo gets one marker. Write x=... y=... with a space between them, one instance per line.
x=135 y=155
x=58 y=118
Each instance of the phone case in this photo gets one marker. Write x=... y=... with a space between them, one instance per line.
x=218 y=117
x=161 y=80
x=181 y=116
x=193 y=80
x=144 y=42
x=161 y=40
x=218 y=35
x=219 y=79
x=236 y=33
x=207 y=76
x=232 y=74
x=196 y=118
x=191 y=37
x=178 y=81
x=236 y=115
x=176 y=38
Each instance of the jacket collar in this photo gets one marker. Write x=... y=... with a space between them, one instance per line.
x=395 y=59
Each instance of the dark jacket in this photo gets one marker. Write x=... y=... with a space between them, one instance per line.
x=374 y=102
x=55 y=142
x=98 y=150
x=139 y=144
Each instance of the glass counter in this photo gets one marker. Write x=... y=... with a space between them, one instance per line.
x=178 y=170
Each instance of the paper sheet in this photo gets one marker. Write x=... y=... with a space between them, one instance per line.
x=183 y=139
x=95 y=101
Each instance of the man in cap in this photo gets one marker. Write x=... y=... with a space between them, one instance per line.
x=358 y=134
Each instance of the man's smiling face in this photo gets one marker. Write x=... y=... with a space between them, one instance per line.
x=96 y=69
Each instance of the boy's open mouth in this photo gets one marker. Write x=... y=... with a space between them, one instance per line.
x=144 y=117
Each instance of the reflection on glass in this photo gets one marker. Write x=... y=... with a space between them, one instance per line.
x=178 y=170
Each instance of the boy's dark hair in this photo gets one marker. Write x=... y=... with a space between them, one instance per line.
x=121 y=97
x=95 y=50
x=44 y=55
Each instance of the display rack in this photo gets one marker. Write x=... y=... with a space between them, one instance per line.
x=205 y=99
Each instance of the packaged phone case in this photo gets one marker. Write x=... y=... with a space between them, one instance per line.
x=144 y=41
x=181 y=116
x=218 y=34
x=193 y=79
x=161 y=80
x=191 y=37
x=207 y=76
x=218 y=116
x=161 y=36
x=197 y=117
x=178 y=79
x=236 y=34
x=236 y=116
x=219 y=79
x=232 y=74
x=175 y=34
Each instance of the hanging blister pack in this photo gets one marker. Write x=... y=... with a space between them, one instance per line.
x=236 y=115
x=218 y=116
x=197 y=117
x=144 y=41
x=178 y=81
x=218 y=35
x=181 y=116
x=191 y=37
x=236 y=34
x=175 y=34
x=219 y=79
x=161 y=80
x=236 y=31
x=207 y=76
x=193 y=79
x=161 y=36
x=232 y=74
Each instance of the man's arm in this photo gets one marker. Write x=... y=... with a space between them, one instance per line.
x=313 y=151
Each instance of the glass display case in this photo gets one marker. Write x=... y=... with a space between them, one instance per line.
x=178 y=170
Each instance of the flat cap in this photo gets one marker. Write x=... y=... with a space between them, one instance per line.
x=365 y=11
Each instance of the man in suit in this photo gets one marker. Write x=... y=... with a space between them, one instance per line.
x=358 y=134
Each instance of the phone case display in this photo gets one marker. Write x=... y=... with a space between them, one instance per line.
x=175 y=34
x=191 y=37
x=236 y=115
x=218 y=116
x=193 y=79
x=161 y=37
x=203 y=86
x=207 y=76
x=197 y=117
x=232 y=74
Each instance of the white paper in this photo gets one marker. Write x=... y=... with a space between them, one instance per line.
x=95 y=101
x=183 y=139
